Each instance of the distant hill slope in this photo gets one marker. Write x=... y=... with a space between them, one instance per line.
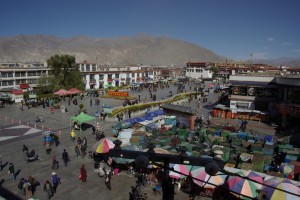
x=140 y=49
x=286 y=61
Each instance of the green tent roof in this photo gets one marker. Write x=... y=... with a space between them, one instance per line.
x=82 y=118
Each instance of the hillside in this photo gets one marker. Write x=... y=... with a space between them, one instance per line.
x=140 y=49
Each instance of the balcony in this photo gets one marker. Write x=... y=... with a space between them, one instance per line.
x=92 y=81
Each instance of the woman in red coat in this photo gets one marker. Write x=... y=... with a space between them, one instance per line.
x=83 y=174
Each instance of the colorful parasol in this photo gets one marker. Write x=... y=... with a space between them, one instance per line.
x=185 y=169
x=277 y=194
x=206 y=180
x=243 y=186
x=286 y=168
x=103 y=146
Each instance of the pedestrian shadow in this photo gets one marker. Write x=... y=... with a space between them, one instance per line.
x=6 y=194
x=4 y=165
x=17 y=173
x=1 y=182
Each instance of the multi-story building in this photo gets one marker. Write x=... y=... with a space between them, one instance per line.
x=21 y=75
x=288 y=103
x=97 y=76
x=277 y=95
x=198 y=70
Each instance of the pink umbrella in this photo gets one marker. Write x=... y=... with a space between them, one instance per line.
x=61 y=92
x=74 y=91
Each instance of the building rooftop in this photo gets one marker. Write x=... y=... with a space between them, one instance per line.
x=183 y=109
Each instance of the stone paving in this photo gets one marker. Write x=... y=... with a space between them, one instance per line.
x=71 y=187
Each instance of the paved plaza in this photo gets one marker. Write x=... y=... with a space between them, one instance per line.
x=19 y=127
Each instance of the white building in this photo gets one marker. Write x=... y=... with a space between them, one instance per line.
x=199 y=70
x=96 y=76
x=21 y=75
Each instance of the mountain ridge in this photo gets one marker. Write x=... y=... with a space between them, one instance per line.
x=125 y=50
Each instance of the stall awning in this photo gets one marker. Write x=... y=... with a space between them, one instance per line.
x=252 y=83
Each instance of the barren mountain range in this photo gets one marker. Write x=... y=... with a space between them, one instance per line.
x=140 y=49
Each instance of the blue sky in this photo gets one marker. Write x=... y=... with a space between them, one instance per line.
x=231 y=28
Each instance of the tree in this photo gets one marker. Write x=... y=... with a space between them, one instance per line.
x=215 y=71
x=44 y=84
x=64 y=72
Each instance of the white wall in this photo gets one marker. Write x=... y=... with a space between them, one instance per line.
x=251 y=78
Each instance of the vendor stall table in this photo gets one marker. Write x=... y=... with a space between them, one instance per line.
x=224 y=133
x=258 y=163
x=285 y=147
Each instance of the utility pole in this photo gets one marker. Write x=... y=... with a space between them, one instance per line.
x=142 y=160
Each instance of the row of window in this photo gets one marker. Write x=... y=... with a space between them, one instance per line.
x=19 y=74
x=109 y=76
x=18 y=82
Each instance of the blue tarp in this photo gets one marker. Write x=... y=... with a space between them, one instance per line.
x=217 y=133
x=148 y=116
x=268 y=138
x=242 y=135
x=151 y=127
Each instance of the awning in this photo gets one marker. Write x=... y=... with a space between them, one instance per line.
x=252 y=83
x=24 y=86
x=17 y=92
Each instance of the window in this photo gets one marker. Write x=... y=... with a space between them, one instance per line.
x=32 y=81
x=117 y=75
x=94 y=68
x=7 y=83
x=88 y=68
x=82 y=68
x=31 y=74
x=6 y=74
x=18 y=82
x=132 y=75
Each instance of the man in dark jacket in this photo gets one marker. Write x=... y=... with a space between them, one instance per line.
x=65 y=157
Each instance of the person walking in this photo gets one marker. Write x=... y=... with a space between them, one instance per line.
x=79 y=141
x=55 y=164
x=27 y=188
x=52 y=109
x=83 y=174
x=129 y=114
x=11 y=170
x=65 y=157
x=83 y=147
x=48 y=188
x=55 y=181
x=72 y=135
x=77 y=151
x=21 y=184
